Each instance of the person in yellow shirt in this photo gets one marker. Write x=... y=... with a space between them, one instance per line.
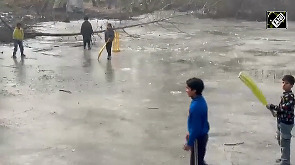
x=18 y=37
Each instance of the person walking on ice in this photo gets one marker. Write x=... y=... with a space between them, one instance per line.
x=109 y=36
x=86 y=31
x=197 y=123
x=18 y=37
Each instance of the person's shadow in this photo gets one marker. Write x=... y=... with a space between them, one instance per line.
x=109 y=73
x=87 y=61
x=20 y=70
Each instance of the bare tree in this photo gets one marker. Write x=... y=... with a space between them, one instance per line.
x=94 y=3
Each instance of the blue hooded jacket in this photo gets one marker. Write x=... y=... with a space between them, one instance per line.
x=197 y=122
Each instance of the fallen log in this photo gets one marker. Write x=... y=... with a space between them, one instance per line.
x=35 y=34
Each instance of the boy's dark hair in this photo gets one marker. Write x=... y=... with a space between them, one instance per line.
x=86 y=18
x=289 y=78
x=196 y=84
x=18 y=24
x=109 y=24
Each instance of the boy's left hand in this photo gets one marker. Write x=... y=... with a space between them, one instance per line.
x=187 y=147
x=270 y=106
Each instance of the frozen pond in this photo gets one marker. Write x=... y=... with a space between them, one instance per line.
x=132 y=110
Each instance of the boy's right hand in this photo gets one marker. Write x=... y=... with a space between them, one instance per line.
x=271 y=107
x=187 y=137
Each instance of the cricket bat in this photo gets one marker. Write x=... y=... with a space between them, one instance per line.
x=253 y=87
x=101 y=50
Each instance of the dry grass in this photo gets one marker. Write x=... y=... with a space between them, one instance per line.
x=23 y=3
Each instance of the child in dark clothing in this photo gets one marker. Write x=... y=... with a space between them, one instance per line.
x=109 y=36
x=285 y=118
x=198 y=125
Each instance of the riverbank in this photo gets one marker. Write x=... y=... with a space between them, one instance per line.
x=28 y=15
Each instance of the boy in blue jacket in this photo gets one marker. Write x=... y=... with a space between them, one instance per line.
x=197 y=123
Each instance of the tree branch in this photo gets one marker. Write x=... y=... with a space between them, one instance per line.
x=101 y=31
x=6 y=24
x=162 y=26
x=178 y=29
x=130 y=35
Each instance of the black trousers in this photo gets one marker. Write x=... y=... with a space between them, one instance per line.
x=199 y=150
x=109 y=48
x=86 y=41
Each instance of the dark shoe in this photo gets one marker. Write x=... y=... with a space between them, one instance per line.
x=204 y=163
x=84 y=47
x=109 y=58
x=23 y=55
x=14 y=56
x=89 y=48
x=278 y=160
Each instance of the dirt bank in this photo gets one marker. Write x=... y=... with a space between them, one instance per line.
x=29 y=13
